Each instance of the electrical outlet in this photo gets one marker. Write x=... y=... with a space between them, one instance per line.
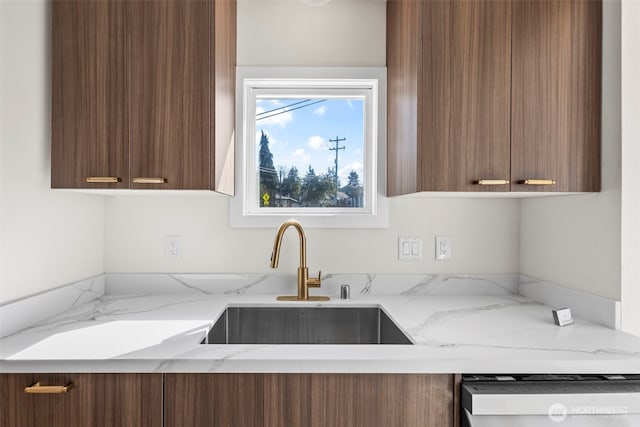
x=173 y=248
x=443 y=248
x=409 y=248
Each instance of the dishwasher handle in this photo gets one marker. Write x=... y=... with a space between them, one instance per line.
x=557 y=420
x=539 y=399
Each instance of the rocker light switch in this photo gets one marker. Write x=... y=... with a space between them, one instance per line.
x=409 y=248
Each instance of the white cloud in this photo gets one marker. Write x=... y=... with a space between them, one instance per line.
x=320 y=111
x=317 y=142
x=298 y=158
x=344 y=172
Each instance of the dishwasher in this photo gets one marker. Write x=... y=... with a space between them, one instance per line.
x=550 y=400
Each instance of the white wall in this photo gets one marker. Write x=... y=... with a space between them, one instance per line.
x=47 y=238
x=484 y=237
x=289 y=33
x=630 y=170
x=574 y=241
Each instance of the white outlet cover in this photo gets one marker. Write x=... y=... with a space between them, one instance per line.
x=443 y=248
x=173 y=248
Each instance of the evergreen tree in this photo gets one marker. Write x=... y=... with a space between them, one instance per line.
x=354 y=179
x=310 y=195
x=318 y=190
x=291 y=184
x=354 y=190
x=331 y=172
x=268 y=174
x=327 y=189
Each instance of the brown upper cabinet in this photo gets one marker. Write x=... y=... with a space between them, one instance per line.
x=556 y=102
x=488 y=95
x=143 y=94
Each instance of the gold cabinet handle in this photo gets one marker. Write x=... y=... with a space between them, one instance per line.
x=103 y=179
x=491 y=182
x=146 y=180
x=48 y=389
x=537 y=182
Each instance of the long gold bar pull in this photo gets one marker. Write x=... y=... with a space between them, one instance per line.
x=537 y=182
x=102 y=179
x=145 y=180
x=492 y=182
x=48 y=389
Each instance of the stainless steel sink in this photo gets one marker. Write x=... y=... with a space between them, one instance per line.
x=305 y=325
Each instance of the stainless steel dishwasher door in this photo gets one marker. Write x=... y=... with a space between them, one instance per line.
x=517 y=403
x=629 y=420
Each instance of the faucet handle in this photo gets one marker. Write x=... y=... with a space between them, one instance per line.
x=314 y=283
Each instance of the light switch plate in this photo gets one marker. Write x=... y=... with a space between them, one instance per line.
x=410 y=248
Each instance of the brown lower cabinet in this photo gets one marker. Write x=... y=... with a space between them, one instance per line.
x=314 y=400
x=228 y=400
x=95 y=400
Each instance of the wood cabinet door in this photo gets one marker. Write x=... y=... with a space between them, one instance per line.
x=556 y=94
x=231 y=400
x=236 y=400
x=96 y=400
x=449 y=95
x=308 y=400
x=404 y=45
x=465 y=95
x=168 y=57
x=481 y=98
x=89 y=133
x=382 y=400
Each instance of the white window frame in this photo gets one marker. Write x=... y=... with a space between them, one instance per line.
x=366 y=83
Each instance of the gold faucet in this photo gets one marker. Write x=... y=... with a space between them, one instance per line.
x=304 y=282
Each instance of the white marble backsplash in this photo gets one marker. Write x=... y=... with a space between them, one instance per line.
x=598 y=309
x=363 y=284
x=19 y=314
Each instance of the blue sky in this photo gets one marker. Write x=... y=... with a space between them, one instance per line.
x=300 y=137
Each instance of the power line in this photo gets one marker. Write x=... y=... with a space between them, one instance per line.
x=284 y=106
x=292 y=109
x=267 y=170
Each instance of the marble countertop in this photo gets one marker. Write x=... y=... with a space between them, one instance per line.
x=452 y=334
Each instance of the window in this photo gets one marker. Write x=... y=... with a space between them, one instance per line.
x=297 y=164
x=312 y=147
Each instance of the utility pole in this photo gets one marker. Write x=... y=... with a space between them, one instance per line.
x=336 y=149
x=280 y=178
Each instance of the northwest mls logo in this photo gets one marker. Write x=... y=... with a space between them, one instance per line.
x=557 y=412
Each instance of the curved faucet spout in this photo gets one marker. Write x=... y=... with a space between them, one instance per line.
x=275 y=255
x=304 y=282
